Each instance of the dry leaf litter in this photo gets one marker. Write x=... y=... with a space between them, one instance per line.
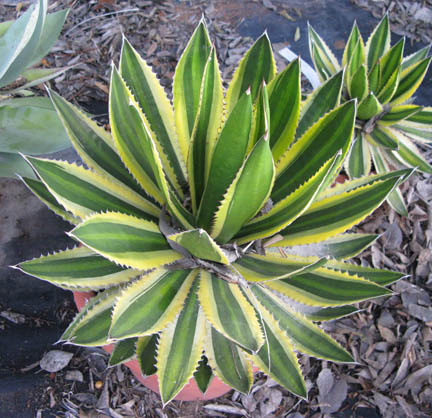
x=390 y=338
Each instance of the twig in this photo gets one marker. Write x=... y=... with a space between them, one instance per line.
x=99 y=16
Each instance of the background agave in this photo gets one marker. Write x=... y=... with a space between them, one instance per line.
x=180 y=209
x=28 y=124
x=384 y=82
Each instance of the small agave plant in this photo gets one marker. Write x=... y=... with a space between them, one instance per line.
x=383 y=82
x=180 y=213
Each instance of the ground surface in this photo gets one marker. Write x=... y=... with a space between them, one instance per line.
x=390 y=338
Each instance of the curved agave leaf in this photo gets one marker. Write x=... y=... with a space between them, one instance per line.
x=228 y=361
x=83 y=192
x=358 y=163
x=125 y=240
x=353 y=39
x=78 y=268
x=378 y=43
x=146 y=350
x=154 y=103
x=241 y=203
x=257 y=65
x=228 y=157
x=229 y=311
x=42 y=192
x=205 y=131
x=123 y=351
x=150 y=303
x=203 y=375
x=328 y=314
x=278 y=359
x=305 y=336
x=180 y=348
x=90 y=327
x=187 y=84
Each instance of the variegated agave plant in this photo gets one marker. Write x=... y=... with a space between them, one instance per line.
x=384 y=82
x=180 y=211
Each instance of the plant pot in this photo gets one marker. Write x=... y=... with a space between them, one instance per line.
x=190 y=392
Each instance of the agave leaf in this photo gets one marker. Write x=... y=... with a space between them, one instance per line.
x=261 y=117
x=199 y=243
x=339 y=247
x=203 y=375
x=12 y=164
x=125 y=240
x=327 y=287
x=205 y=132
x=134 y=141
x=123 y=351
x=187 y=84
x=228 y=157
x=284 y=103
x=354 y=37
x=260 y=268
x=398 y=113
x=180 y=348
x=93 y=144
x=336 y=214
x=139 y=151
x=321 y=142
x=241 y=202
x=146 y=350
x=154 y=103
x=229 y=311
x=228 y=361
x=418 y=126
x=395 y=198
x=409 y=155
x=358 y=85
x=410 y=80
x=381 y=277
x=389 y=89
x=150 y=303
x=90 y=327
x=369 y=107
x=330 y=313
x=323 y=58
x=20 y=42
x=374 y=79
x=383 y=137
x=30 y=125
x=41 y=191
x=51 y=29
x=257 y=65
x=78 y=269
x=277 y=358
x=321 y=101
x=286 y=210
x=378 y=43
x=305 y=336
x=359 y=159
x=356 y=62
x=415 y=57
x=83 y=192
x=390 y=63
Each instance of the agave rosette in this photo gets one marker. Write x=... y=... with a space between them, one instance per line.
x=388 y=123
x=180 y=213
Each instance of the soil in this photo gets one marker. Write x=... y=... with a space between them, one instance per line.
x=35 y=313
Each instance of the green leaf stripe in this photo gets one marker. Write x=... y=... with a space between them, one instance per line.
x=123 y=351
x=378 y=42
x=328 y=314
